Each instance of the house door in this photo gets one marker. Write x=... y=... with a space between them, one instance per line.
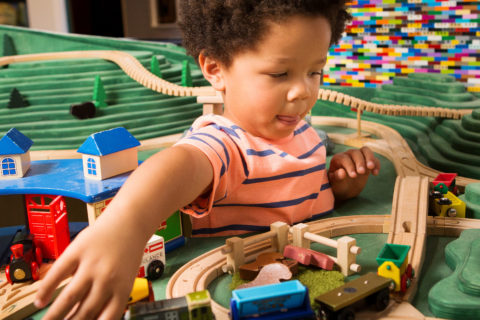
x=48 y=223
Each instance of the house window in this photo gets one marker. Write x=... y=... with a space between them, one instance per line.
x=8 y=167
x=91 y=167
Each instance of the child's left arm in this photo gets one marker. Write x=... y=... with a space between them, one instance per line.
x=348 y=172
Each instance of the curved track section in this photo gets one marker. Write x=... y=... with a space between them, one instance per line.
x=133 y=68
x=199 y=273
x=389 y=144
x=407 y=224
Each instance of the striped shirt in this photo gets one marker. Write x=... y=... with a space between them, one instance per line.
x=256 y=181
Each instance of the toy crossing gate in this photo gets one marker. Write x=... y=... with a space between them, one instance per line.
x=48 y=223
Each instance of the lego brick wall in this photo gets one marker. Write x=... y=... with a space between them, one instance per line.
x=389 y=38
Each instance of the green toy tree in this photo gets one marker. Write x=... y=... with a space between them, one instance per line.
x=186 y=74
x=99 y=95
x=8 y=47
x=155 y=67
x=16 y=99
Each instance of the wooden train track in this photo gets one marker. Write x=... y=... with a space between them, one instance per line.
x=402 y=227
x=408 y=223
x=134 y=69
x=200 y=272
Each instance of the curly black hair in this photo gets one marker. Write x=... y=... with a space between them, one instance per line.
x=222 y=28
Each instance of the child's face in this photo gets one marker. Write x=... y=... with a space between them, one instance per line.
x=269 y=89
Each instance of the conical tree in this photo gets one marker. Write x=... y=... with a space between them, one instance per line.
x=8 y=47
x=155 y=67
x=99 y=95
x=16 y=99
x=186 y=74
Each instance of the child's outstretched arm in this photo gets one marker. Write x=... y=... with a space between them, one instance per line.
x=348 y=172
x=105 y=257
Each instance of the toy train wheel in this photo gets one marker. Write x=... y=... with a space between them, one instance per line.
x=451 y=212
x=410 y=273
x=382 y=299
x=35 y=271
x=346 y=314
x=405 y=283
x=155 y=270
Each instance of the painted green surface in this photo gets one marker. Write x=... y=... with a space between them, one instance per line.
x=458 y=295
x=174 y=228
x=471 y=197
x=443 y=144
x=51 y=87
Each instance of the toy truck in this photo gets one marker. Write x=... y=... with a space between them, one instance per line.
x=153 y=260
x=393 y=264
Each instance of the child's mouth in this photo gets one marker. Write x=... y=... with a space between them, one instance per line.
x=288 y=120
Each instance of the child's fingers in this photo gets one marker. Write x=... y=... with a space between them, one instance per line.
x=114 y=309
x=74 y=292
x=60 y=270
x=372 y=162
x=93 y=303
x=359 y=161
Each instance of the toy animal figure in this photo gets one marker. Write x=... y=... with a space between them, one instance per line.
x=269 y=274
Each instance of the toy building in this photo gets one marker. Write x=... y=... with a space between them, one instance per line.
x=109 y=153
x=14 y=154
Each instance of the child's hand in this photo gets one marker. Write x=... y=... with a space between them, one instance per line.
x=102 y=275
x=348 y=172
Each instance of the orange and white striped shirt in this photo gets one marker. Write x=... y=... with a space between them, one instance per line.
x=256 y=181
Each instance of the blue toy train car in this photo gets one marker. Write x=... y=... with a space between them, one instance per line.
x=285 y=300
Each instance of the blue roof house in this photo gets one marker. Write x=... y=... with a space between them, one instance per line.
x=14 y=154
x=109 y=153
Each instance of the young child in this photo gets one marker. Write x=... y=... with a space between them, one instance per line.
x=258 y=163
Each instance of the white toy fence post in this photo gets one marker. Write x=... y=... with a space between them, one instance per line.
x=299 y=240
x=281 y=239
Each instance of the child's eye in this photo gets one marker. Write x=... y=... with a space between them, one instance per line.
x=278 y=75
x=316 y=73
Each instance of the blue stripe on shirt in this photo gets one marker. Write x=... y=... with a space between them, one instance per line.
x=227 y=130
x=325 y=186
x=222 y=170
x=232 y=227
x=309 y=153
x=220 y=142
x=286 y=175
x=262 y=153
x=278 y=204
x=301 y=129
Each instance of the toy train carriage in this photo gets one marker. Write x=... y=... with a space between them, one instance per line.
x=25 y=260
x=445 y=182
x=393 y=264
x=285 y=300
x=339 y=303
x=447 y=205
x=194 y=306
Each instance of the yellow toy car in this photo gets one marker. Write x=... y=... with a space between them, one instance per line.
x=449 y=205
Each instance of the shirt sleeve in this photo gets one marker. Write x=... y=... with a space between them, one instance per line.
x=217 y=146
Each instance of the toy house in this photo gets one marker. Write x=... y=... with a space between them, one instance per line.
x=109 y=153
x=14 y=154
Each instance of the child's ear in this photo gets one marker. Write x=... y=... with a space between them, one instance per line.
x=212 y=71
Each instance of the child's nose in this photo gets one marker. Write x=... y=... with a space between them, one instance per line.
x=299 y=90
